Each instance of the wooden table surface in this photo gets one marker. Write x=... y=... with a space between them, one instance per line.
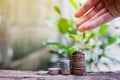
x=34 y=75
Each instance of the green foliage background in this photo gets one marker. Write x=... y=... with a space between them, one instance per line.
x=82 y=41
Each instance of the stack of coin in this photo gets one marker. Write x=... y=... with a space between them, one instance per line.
x=65 y=67
x=78 y=63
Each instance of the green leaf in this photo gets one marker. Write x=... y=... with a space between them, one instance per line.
x=79 y=38
x=103 y=29
x=90 y=46
x=63 y=25
x=72 y=27
x=56 y=8
x=56 y=44
x=61 y=47
x=66 y=49
x=91 y=35
x=74 y=4
x=111 y=40
x=71 y=50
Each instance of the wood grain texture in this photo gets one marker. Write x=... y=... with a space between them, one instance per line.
x=32 y=75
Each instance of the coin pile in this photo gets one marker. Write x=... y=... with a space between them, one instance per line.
x=78 y=63
x=65 y=67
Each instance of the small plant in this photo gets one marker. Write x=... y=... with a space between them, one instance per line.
x=94 y=43
x=66 y=27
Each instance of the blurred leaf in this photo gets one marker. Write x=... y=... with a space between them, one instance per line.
x=102 y=46
x=106 y=64
x=53 y=52
x=57 y=53
x=63 y=25
x=113 y=60
x=90 y=46
x=103 y=29
x=101 y=55
x=72 y=27
x=71 y=50
x=57 y=44
x=90 y=61
x=92 y=35
x=74 y=4
x=56 y=8
x=66 y=49
x=79 y=38
x=111 y=40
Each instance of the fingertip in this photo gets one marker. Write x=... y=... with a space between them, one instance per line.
x=76 y=15
x=81 y=29
x=85 y=27
x=82 y=21
x=77 y=24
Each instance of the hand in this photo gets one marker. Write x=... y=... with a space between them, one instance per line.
x=100 y=12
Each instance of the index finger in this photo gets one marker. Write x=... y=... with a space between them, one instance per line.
x=89 y=4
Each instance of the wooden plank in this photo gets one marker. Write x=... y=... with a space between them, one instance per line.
x=32 y=75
